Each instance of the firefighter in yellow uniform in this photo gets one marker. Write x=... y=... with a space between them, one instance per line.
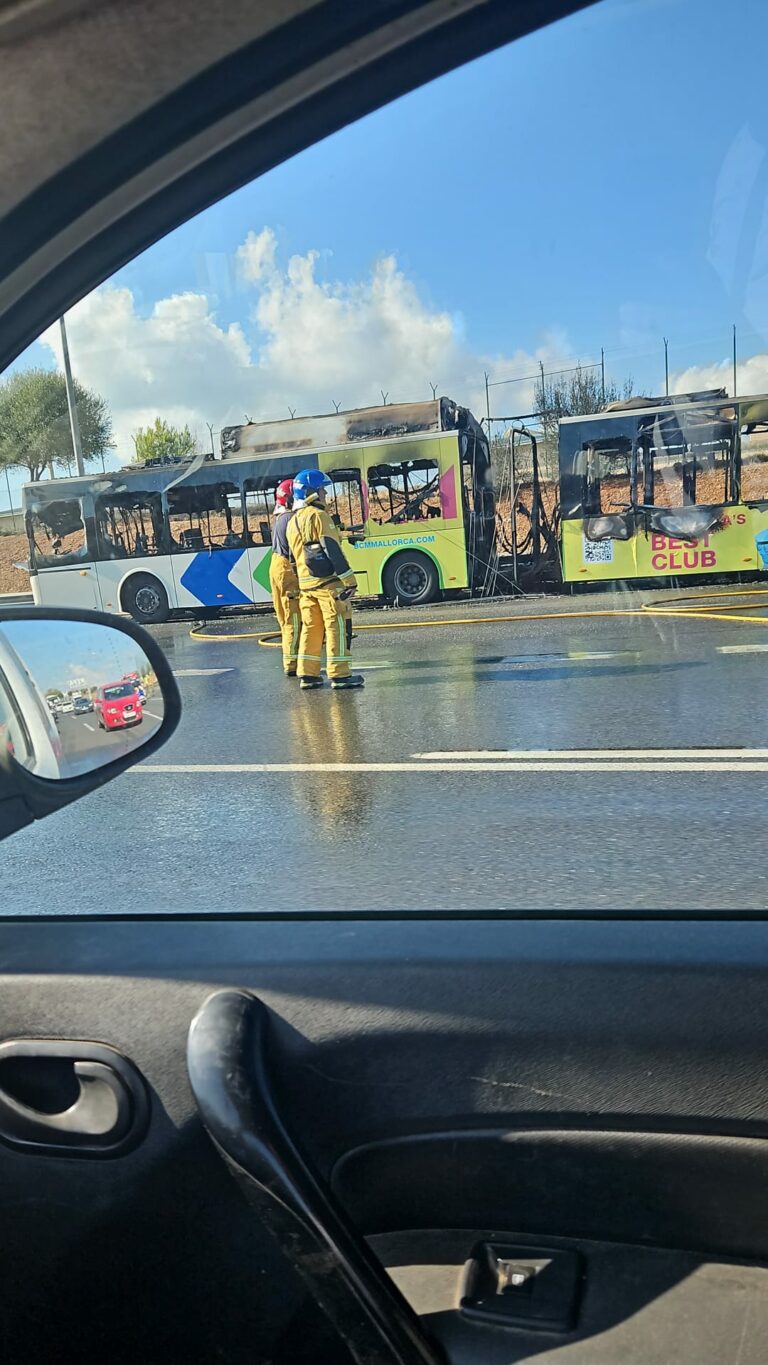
x=283 y=582
x=326 y=583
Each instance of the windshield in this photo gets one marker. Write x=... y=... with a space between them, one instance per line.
x=507 y=651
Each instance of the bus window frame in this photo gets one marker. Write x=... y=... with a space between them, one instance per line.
x=266 y=489
x=347 y=473
x=593 y=486
x=160 y=521
x=419 y=495
x=749 y=429
x=637 y=425
x=67 y=561
x=693 y=454
x=233 y=487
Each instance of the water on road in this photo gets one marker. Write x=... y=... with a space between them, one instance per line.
x=477 y=770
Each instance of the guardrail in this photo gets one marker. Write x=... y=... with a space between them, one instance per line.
x=16 y=599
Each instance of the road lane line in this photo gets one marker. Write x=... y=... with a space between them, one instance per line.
x=742 y=649
x=521 y=766
x=152 y=714
x=200 y=672
x=87 y=726
x=500 y=755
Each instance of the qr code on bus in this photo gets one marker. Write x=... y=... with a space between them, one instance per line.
x=598 y=551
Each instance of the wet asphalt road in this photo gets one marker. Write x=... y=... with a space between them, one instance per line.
x=86 y=746
x=458 y=839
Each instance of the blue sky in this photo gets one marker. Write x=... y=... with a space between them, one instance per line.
x=71 y=654
x=602 y=182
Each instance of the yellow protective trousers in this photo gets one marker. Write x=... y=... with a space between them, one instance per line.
x=323 y=615
x=284 y=586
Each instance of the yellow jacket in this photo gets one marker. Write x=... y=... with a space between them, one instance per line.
x=312 y=537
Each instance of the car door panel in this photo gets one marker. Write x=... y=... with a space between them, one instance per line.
x=638 y=1305
x=152 y=1255
x=581 y=1080
x=637 y=1186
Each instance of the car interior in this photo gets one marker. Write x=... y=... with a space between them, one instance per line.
x=311 y=1138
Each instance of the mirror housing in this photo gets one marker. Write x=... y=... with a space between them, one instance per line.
x=25 y=795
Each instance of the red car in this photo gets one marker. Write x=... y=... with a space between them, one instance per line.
x=117 y=705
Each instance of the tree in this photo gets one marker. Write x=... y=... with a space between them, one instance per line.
x=34 y=422
x=161 y=441
x=574 y=395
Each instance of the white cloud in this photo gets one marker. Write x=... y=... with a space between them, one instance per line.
x=752 y=375
x=256 y=256
x=308 y=340
x=177 y=361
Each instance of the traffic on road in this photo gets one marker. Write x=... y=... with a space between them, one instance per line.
x=57 y=720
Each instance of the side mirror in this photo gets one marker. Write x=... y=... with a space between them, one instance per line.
x=83 y=696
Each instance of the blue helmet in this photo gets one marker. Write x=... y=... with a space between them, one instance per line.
x=308 y=484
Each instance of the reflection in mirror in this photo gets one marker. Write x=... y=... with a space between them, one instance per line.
x=74 y=695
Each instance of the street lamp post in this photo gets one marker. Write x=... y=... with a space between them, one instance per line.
x=71 y=401
x=10 y=499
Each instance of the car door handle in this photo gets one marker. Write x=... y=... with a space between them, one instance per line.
x=229 y=1071
x=109 y=1110
x=98 y=1111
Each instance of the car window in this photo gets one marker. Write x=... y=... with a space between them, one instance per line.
x=510 y=331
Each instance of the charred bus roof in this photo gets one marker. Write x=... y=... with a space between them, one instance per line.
x=385 y=422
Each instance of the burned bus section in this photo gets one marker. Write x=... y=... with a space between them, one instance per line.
x=663 y=486
x=428 y=506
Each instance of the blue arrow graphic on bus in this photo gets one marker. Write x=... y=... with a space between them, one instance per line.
x=207 y=578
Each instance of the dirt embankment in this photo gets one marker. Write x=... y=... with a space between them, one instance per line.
x=13 y=549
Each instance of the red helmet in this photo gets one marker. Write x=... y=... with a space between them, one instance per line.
x=284 y=494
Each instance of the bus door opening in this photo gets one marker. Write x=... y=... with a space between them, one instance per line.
x=478 y=506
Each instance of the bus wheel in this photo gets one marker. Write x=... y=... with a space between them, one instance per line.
x=411 y=579
x=145 y=598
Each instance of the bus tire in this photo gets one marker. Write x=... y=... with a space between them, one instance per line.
x=145 y=599
x=411 y=579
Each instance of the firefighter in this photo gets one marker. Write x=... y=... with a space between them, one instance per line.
x=283 y=582
x=326 y=583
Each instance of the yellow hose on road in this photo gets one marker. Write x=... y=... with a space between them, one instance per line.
x=675 y=607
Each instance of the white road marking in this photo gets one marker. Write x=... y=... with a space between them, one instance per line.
x=578 y=654
x=617 y=755
x=152 y=714
x=742 y=649
x=199 y=672
x=87 y=726
x=538 y=766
